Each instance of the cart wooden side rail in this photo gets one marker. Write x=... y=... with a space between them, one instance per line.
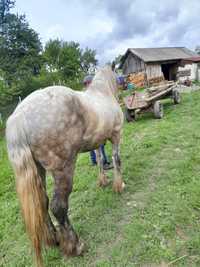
x=149 y=100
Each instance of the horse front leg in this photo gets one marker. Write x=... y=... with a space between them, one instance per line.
x=67 y=238
x=103 y=180
x=118 y=184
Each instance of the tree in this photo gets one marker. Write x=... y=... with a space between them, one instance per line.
x=25 y=67
x=51 y=54
x=68 y=60
x=20 y=49
x=63 y=58
x=117 y=60
x=5 y=6
x=88 y=60
x=20 y=53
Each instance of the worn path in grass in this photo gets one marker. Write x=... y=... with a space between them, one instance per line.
x=155 y=222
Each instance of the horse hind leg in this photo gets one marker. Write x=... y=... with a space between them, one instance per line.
x=52 y=237
x=67 y=238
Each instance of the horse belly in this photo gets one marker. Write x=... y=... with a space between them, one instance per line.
x=96 y=135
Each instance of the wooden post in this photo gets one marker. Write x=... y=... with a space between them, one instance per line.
x=146 y=74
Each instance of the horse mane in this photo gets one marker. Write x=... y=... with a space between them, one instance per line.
x=104 y=80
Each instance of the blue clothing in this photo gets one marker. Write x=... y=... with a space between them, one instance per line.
x=93 y=155
x=120 y=80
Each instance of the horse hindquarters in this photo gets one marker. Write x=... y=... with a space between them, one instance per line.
x=30 y=188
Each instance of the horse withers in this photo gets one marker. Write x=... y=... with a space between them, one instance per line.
x=45 y=133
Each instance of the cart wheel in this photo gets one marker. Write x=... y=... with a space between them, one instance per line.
x=176 y=96
x=136 y=114
x=129 y=115
x=158 y=110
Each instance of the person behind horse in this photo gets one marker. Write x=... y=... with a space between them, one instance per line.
x=106 y=164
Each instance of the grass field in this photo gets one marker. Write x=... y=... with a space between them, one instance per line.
x=154 y=222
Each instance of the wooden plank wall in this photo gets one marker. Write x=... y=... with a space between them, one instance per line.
x=153 y=71
x=132 y=64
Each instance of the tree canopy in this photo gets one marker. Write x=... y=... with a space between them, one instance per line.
x=68 y=58
x=26 y=66
x=20 y=49
x=5 y=6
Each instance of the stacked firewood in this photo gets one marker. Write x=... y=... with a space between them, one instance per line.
x=138 y=79
x=155 y=80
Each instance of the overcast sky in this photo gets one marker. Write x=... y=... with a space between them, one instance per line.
x=112 y=26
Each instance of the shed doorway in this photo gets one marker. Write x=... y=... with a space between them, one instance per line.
x=169 y=71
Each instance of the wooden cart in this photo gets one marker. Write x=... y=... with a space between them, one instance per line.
x=149 y=100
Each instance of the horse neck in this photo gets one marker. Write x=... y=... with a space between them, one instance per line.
x=102 y=87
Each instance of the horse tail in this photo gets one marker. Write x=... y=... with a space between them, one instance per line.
x=29 y=185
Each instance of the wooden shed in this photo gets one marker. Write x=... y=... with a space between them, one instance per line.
x=192 y=66
x=155 y=64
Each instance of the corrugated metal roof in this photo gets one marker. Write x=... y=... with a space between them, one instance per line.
x=162 y=53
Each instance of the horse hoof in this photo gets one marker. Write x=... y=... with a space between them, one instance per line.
x=80 y=248
x=118 y=186
x=51 y=240
x=75 y=251
x=53 y=243
x=103 y=183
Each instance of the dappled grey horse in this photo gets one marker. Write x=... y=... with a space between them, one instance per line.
x=45 y=133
